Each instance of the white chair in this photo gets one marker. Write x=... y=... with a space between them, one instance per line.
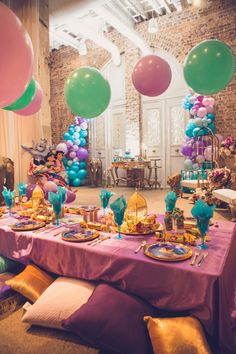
x=228 y=196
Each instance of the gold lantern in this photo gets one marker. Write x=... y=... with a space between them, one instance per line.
x=136 y=207
x=37 y=198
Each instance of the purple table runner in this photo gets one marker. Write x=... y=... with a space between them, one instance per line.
x=206 y=292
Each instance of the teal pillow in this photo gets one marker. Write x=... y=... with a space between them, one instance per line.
x=8 y=265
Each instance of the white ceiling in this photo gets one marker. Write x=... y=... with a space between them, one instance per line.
x=72 y=22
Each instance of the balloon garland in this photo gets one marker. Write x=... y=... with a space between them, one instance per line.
x=201 y=109
x=75 y=152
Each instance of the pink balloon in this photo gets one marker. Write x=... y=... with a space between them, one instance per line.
x=202 y=112
x=192 y=99
x=206 y=101
x=72 y=154
x=50 y=186
x=16 y=58
x=35 y=105
x=70 y=197
x=200 y=158
x=151 y=76
x=212 y=101
x=210 y=109
x=192 y=111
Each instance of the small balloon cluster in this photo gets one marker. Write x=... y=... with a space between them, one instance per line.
x=198 y=155
x=201 y=109
x=74 y=152
x=19 y=91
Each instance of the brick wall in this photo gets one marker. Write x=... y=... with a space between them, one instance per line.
x=178 y=33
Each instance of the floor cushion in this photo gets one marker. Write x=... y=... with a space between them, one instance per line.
x=112 y=320
x=180 y=335
x=62 y=298
x=31 y=283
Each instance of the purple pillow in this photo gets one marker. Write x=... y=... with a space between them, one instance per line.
x=5 y=290
x=112 y=320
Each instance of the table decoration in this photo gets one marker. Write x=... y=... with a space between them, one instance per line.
x=89 y=212
x=37 y=197
x=167 y=251
x=105 y=196
x=8 y=196
x=79 y=235
x=57 y=199
x=22 y=189
x=203 y=213
x=118 y=207
x=170 y=201
x=27 y=225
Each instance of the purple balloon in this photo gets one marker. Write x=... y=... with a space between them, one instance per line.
x=82 y=154
x=75 y=148
x=29 y=190
x=187 y=150
x=70 y=197
x=72 y=154
x=69 y=143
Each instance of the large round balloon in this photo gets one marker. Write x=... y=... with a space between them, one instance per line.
x=35 y=105
x=151 y=76
x=16 y=58
x=209 y=66
x=82 y=154
x=25 y=99
x=87 y=93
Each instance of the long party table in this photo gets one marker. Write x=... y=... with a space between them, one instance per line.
x=207 y=292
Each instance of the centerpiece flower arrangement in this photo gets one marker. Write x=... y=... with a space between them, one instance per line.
x=228 y=147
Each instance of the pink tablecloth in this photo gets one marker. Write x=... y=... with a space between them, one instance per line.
x=206 y=292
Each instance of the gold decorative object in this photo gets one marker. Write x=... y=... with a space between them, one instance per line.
x=136 y=220
x=37 y=198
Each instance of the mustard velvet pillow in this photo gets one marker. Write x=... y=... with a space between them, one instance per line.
x=30 y=283
x=177 y=336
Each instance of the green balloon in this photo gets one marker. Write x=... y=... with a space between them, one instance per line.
x=87 y=93
x=209 y=67
x=25 y=99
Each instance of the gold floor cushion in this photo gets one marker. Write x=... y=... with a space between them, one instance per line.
x=30 y=283
x=181 y=335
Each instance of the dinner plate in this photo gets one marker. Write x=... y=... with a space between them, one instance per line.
x=79 y=235
x=27 y=225
x=168 y=251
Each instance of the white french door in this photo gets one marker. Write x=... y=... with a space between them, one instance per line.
x=164 y=124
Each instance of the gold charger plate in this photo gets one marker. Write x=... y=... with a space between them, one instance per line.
x=79 y=235
x=27 y=225
x=159 y=229
x=168 y=251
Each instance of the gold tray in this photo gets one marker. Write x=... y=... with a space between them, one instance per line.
x=27 y=225
x=79 y=235
x=159 y=229
x=168 y=251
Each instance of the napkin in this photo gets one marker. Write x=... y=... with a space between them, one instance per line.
x=56 y=201
x=170 y=201
x=118 y=207
x=105 y=196
x=8 y=196
x=62 y=193
x=203 y=213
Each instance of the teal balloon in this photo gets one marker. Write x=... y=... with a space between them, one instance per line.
x=87 y=93
x=83 y=133
x=195 y=132
x=189 y=129
x=66 y=136
x=211 y=116
x=209 y=67
x=25 y=99
x=72 y=126
x=71 y=131
x=75 y=168
x=82 y=164
x=76 y=182
x=72 y=174
x=82 y=174
x=82 y=142
x=212 y=127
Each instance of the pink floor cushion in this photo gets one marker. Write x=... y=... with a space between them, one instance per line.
x=112 y=320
